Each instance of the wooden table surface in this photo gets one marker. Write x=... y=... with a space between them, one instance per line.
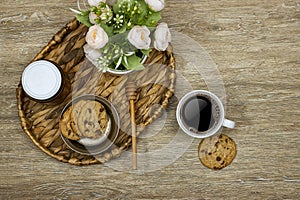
x=256 y=46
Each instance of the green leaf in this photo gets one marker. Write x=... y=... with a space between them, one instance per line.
x=133 y=63
x=146 y=52
x=84 y=18
x=117 y=6
x=143 y=7
x=120 y=31
x=108 y=29
x=120 y=40
x=153 y=19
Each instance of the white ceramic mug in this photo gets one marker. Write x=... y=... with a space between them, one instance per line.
x=217 y=110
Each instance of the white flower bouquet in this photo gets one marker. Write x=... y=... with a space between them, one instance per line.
x=123 y=33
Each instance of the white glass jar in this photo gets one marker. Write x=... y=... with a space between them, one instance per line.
x=45 y=82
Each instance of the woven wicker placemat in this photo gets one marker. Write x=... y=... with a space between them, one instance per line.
x=156 y=85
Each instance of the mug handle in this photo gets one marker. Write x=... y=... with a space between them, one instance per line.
x=228 y=124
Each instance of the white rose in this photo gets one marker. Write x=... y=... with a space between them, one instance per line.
x=156 y=5
x=96 y=37
x=139 y=36
x=91 y=53
x=162 y=37
x=95 y=2
x=92 y=17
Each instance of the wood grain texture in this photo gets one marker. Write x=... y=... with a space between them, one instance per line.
x=255 y=45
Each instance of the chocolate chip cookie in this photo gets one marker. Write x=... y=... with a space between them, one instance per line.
x=66 y=125
x=217 y=152
x=92 y=120
x=84 y=119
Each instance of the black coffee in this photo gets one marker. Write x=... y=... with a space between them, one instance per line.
x=197 y=113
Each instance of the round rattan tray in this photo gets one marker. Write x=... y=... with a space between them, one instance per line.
x=156 y=85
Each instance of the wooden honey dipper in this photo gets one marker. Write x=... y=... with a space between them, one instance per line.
x=132 y=95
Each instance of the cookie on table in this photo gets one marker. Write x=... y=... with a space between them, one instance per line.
x=217 y=152
x=66 y=124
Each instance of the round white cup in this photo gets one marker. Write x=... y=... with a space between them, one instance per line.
x=221 y=121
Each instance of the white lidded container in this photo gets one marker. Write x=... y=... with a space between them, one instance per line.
x=45 y=82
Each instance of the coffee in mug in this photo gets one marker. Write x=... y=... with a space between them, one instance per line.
x=201 y=114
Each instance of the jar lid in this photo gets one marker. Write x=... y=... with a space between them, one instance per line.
x=41 y=80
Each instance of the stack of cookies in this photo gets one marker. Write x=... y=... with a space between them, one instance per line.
x=84 y=119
